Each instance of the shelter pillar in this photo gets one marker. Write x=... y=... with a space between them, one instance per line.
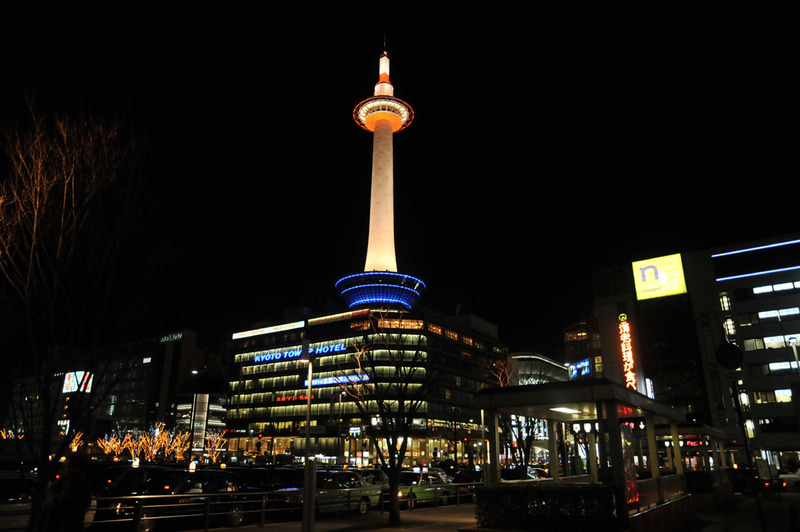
x=676 y=448
x=723 y=456
x=492 y=476
x=617 y=463
x=552 y=446
x=652 y=453
x=593 y=456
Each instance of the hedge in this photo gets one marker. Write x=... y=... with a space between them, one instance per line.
x=546 y=506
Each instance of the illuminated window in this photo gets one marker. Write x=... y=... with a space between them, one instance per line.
x=752 y=344
x=451 y=335
x=467 y=340
x=434 y=328
x=729 y=326
x=775 y=342
x=725 y=302
x=576 y=336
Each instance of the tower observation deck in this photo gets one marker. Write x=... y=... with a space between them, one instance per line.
x=380 y=282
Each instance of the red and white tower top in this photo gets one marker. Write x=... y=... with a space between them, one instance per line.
x=383 y=105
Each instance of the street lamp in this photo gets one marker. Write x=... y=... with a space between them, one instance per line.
x=309 y=471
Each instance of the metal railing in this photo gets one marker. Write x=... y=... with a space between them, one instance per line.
x=235 y=506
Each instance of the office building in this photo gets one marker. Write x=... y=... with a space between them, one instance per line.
x=712 y=332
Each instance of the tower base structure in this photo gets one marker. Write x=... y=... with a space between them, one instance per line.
x=386 y=288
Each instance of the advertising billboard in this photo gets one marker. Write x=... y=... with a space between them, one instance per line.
x=77 y=381
x=659 y=277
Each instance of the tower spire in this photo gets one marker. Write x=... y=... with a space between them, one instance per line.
x=383 y=115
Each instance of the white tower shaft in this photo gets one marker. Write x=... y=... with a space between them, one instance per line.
x=380 y=247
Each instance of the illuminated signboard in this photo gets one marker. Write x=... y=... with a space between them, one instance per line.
x=325 y=381
x=292 y=354
x=626 y=346
x=77 y=381
x=579 y=369
x=299 y=324
x=659 y=277
x=268 y=330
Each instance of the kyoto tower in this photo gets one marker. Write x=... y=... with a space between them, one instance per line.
x=380 y=282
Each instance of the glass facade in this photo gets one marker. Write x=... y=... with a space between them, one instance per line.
x=365 y=363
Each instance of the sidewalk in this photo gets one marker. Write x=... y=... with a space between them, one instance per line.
x=452 y=518
x=744 y=515
x=779 y=515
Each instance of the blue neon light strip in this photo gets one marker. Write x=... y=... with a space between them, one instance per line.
x=368 y=288
x=326 y=381
x=758 y=248
x=756 y=274
x=381 y=274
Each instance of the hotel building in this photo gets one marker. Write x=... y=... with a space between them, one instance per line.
x=444 y=361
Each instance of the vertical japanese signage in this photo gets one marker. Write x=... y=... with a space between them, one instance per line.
x=626 y=347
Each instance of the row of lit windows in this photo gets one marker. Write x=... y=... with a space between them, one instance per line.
x=779 y=287
x=773 y=396
x=767 y=316
x=299 y=410
x=770 y=342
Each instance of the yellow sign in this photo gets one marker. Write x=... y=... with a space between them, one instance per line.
x=659 y=277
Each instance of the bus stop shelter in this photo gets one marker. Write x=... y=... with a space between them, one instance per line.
x=609 y=411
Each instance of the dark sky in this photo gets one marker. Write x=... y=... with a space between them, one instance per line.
x=538 y=153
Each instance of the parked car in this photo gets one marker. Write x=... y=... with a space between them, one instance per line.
x=16 y=493
x=336 y=491
x=420 y=487
x=747 y=480
x=175 y=494
x=791 y=481
x=520 y=473
x=466 y=481
x=124 y=479
x=375 y=476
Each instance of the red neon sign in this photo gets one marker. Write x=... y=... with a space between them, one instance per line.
x=626 y=345
x=293 y=398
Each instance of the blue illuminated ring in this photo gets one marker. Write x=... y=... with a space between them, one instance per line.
x=370 y=288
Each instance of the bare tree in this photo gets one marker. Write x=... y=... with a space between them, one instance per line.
x=523 y=431
x=392 y=394
x=72 y=213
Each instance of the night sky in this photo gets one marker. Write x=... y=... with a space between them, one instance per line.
x=538 y=154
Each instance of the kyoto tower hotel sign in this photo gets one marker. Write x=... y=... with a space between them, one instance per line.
x=381 y=283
